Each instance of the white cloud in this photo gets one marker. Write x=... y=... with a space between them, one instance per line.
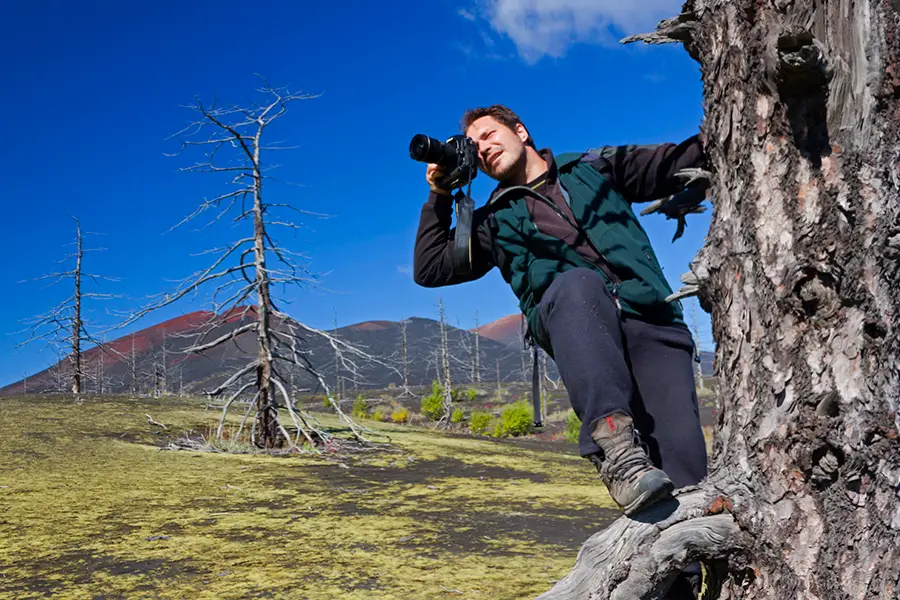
x=404 y=269
x=468 y=15
x=549 y=27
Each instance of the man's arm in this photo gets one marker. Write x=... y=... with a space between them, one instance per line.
x=433 y=254
x=644 y=173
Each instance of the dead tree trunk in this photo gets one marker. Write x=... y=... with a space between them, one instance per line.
x=64 y=325
x=132 y=367
x=800 y=273
x=477 y=361
x=403 y=351
x=266 y=404
x=445 y=369
x=77 y=374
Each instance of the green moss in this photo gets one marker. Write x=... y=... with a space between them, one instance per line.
x=90 y=506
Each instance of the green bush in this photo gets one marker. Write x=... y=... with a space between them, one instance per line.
x=359 y=407
x=573 y=426
x=458 y=416
x=378 y=415
x=516 y=419
x=433 y=403
x=471 y=394
x=479 y=422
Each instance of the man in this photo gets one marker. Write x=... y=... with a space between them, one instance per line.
x=564 y=236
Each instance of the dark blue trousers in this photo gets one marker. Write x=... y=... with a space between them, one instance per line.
x=610 y=362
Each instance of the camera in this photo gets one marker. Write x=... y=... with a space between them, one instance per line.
x=458 y=156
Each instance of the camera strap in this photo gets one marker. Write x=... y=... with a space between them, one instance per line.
x=462 y=242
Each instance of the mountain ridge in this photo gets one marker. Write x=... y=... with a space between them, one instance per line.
x=153 y=360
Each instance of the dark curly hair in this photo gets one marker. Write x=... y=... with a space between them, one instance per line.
x=499 y=112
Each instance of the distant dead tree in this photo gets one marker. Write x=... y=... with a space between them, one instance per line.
x=64 y=325
x=131 y=362
x=446 y=382
x=476 y=354
x=404 y=353
x=248 y=269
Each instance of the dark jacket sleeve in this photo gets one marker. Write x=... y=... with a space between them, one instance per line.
x=433 y=253
x=644 y=173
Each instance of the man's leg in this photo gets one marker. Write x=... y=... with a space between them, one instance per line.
x=580 y=324
x=579 y=319
x=665 y=403
x=666 y=413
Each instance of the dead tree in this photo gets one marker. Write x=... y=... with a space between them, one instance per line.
x=64 y=325
x=245 y=272
x=404 y=352
x=476 y=362
x=132 y=366
x=446 y=382
x=800 y=273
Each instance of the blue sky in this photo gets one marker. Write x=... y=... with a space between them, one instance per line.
x=92 y=91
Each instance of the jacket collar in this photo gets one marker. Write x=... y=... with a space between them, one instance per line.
x=551 y=175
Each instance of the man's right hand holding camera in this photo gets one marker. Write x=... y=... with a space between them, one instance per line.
x=433 y=174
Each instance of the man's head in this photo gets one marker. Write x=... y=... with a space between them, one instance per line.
x=503 y=142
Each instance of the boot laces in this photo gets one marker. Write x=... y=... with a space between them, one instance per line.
x=628 y=457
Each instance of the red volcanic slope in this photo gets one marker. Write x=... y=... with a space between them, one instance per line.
x=151 y=337
x=372 y=325
x=504 y=330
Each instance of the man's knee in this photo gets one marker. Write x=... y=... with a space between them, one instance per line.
x=578 y=285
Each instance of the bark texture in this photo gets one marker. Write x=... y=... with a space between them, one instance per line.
x=803 y=284
x=800 y=273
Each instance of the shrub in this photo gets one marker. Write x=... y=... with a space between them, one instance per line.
x=516 y=419
x=400 y=415
x=471 y=393
x=359 y=407
x=378 y=415
x=573 y=426
x=479 y=422
x=433 y=403
x=457 y=416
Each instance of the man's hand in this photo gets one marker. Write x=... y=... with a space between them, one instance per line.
x=433 y=173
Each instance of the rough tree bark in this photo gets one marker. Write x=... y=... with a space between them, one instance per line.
x=800 y=273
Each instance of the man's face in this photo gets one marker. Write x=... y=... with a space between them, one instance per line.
x=501 y=151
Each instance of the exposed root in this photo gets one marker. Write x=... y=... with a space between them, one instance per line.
x=639 y=557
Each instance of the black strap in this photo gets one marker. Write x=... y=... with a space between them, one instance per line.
x=462 y=242
x=536 y=391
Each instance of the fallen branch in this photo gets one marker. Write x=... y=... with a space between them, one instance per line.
x=157 y=423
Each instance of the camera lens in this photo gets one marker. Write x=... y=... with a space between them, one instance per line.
x=427 y=149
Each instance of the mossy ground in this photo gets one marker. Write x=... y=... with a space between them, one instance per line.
x=90 y=507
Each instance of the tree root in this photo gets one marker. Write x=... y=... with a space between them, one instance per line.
x=640 y=556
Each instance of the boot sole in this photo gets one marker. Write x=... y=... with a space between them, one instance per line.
x=649 y=498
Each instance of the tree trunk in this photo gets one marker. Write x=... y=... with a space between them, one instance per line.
x=800 y=272
x=804 y=288
x=77 y=375
x=445 y=370
x=477 y=352
x=266 y=403
x=405 y=360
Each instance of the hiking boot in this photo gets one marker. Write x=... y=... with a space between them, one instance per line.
x=624 y=466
